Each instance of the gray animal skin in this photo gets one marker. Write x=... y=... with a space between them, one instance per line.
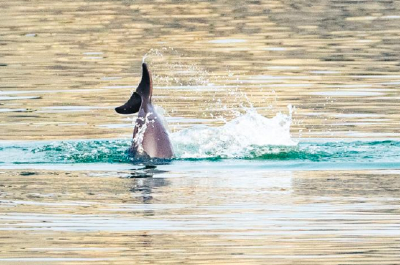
x=150 y=138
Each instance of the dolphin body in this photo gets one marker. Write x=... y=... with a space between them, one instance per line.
x=150 y=138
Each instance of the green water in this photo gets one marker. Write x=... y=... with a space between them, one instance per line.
x=305 y=155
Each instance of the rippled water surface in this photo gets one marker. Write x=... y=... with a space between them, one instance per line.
x=284 y=117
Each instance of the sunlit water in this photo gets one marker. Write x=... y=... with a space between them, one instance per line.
x=252 y=182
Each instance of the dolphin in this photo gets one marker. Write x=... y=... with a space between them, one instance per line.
x=150 y=138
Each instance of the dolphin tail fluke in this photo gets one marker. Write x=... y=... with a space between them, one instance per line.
x=145 y=88
x=142 y=95
x=131 y=106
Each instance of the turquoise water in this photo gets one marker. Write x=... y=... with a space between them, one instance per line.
x=246 y=143
x=305 y=155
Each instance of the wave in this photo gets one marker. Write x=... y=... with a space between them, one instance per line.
x=116 y=151
x=248 y=137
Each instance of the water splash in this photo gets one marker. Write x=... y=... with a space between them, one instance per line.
x=168 y=60
x=246 y=136
x=186 y=75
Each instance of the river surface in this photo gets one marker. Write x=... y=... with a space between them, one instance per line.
x=284 y=118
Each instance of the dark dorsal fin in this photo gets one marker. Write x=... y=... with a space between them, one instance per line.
x=143 y=94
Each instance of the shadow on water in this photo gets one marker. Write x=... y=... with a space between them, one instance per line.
x=143 y=188
x=148 y=171
x=143 y=182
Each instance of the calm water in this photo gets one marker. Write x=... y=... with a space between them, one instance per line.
x=284 y=117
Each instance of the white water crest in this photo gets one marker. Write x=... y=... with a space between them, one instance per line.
x=249 y=135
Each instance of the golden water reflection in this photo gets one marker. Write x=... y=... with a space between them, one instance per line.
x=65 y=65
x=320 y=217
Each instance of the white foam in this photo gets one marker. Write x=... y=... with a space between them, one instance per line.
x=241 y=137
